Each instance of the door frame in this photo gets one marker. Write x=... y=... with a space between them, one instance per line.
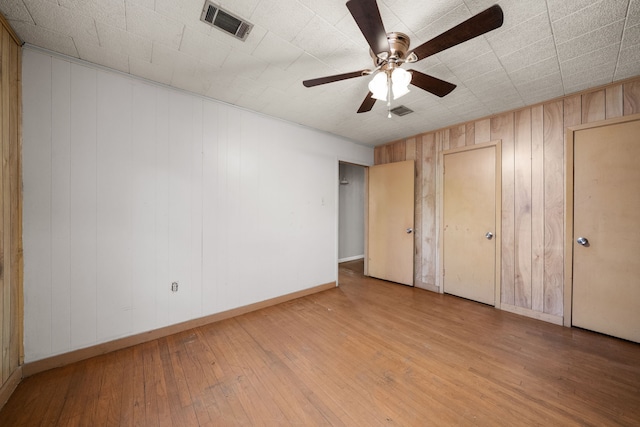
x=568 y=216
x=338 y=160
x=498 y=212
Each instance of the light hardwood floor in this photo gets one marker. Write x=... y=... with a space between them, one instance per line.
x=368 y=353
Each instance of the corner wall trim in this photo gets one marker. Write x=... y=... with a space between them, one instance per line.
x=64 y=359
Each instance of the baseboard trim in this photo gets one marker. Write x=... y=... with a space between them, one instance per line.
x=551 y=318
x=351 y=258
x=64 y=359
x=10 y=386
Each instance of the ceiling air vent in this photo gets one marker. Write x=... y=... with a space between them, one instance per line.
x=226 y=21
x=401 y=110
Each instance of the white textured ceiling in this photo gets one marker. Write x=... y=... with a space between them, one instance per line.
x=545 y=49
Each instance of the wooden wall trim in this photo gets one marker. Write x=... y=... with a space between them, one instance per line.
x=11 y=309
x=64 y=359
x=12 y=33
x=7 y=389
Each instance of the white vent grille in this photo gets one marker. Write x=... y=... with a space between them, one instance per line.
x=225 y=21
x=401 y=110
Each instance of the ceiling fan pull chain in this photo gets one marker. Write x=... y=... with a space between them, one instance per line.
x=388 y=89
x=389 y=94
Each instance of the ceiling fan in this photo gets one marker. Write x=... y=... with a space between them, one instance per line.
x=390 y=50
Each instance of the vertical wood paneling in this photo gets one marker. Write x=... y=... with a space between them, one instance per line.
x=410 y=149
x=482 y=131
x=614 y=101
x=631 y=97
x=5 y=202
x=377 y=156
x=532 y=189
x=429 y=236
x=388 y=155
x=554 y=207
x=572 y=114
x=61 y=205
x=457 y=137
x=502 y=127
x=470 y=134
x=537 y=209
x=444 y=139
x=593 y=106
x=399 y=152
x=523 y=217
x=417 y=221
x=11 y=320
x=16 y=305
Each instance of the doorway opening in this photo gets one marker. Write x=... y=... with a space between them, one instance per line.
x=351 y=212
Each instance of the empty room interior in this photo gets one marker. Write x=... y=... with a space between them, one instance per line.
x=295 y=212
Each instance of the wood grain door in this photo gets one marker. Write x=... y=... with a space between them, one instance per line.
x=469 y=223
x=390 y=222
x=606 y=213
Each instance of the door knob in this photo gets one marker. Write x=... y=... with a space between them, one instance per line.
x=582 y=241
x=409 y=230
x=489 y=235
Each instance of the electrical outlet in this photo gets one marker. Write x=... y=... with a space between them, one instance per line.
x=174 y=287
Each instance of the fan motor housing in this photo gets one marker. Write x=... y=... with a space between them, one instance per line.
x=398 y=47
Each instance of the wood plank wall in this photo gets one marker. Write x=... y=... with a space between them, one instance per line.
x=10 y=210
x=532 y=190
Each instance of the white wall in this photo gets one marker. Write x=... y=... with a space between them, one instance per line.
x=129 y=186
x=351 y=218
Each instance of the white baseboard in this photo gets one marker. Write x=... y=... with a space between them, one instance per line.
x=351 y=258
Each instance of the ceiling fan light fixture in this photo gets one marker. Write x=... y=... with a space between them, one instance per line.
x=400 y=79
x=378 y=86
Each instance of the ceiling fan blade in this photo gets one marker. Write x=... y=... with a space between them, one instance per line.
x=431 y=84
x=367 y=104
x=483 y=22
x=335 y=78
x=367 y=16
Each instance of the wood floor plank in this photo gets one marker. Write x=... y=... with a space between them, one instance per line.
x=367 y=353
x=178 y=397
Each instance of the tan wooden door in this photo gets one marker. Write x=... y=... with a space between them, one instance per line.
x=606 y=212
x=390 y=222
x=469 y=189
